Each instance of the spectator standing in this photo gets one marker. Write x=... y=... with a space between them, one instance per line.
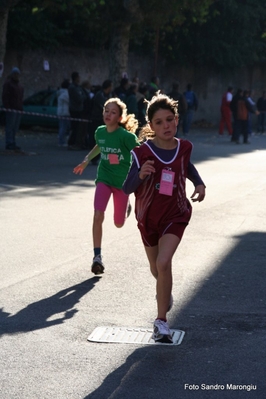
x=76 y=107
x=135 y=80
x=253 y=106
x=63 y=113
x=153 y=86
x=244 y=107
x=226 y=114
x=86 y=114
x=142 y=94
x=131 y=100
x=192 y=106
x=233 y=107
x=261 y=107
x=182 y=103
x=98 y=102
x=122 y=90
x=12 y=98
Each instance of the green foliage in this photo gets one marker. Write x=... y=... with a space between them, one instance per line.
x=7 y=4
x=91 y=23
x=232 y=36
x=208 y=32
x=48 y=24
x=165 y=19
x=31 y=27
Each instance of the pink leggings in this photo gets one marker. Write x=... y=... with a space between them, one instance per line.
x=102 y=196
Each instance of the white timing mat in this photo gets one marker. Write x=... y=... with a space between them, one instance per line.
x=126 y=335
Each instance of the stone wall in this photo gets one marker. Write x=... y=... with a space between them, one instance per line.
x=93 y=65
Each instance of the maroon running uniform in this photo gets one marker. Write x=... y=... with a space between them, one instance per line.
x=158 y=214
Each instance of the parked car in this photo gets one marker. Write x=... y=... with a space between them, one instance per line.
x=43 y=102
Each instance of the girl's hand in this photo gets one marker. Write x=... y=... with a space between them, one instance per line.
x=146 y=170
x=78 y=170
x=200 y=190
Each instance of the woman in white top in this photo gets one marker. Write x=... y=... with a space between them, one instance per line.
x=63 y=113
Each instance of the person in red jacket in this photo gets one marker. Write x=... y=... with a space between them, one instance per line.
x=12 y=98
x=226 y=114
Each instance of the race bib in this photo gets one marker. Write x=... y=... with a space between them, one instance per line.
x=113 y=159
x=167 y=182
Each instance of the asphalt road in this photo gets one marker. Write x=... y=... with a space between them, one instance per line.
x=50 y=302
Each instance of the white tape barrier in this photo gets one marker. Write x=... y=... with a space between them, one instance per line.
x=45 y=115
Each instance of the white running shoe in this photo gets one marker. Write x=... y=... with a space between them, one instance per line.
x=161 y=332
x=97 y=266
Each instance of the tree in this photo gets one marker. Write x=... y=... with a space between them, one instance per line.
x=121 y=15
x=5 y=6
x=232 y=36
x=111 y=23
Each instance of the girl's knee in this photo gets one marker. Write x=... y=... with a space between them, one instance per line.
x=119 y=225
x=163 y=267
x=98 y=216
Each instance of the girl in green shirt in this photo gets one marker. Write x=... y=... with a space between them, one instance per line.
x=114 y=141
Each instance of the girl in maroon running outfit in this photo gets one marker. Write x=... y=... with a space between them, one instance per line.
x=158 y=179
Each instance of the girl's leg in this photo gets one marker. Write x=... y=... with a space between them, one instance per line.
x=97 y=230
x=160 y=259
x=120 y=206
x=101 y=198
x=152 y=253
x=168 y=244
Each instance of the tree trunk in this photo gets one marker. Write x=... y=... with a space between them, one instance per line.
x=3 y=28
x=5 y=6
x=118 y=52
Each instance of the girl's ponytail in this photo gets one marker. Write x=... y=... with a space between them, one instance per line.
x=130 y=123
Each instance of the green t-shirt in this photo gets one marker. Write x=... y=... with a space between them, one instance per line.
x=115 y=155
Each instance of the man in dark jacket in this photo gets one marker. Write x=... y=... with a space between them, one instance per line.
x=192 y=105
x=12 y=98
x=98 y=102
x=261 y=106
x=76 y=106
x=233 y=106
x=122 y=90
x=243 y=107
x=182 y=103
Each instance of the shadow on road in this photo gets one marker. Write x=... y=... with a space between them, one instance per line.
x=43 y=170
x=225 y=325
x=35 y=316
x=52 y=168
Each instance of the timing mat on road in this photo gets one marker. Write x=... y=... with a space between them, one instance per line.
x=126 y=335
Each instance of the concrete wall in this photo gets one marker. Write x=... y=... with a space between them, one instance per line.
x=93 y=65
